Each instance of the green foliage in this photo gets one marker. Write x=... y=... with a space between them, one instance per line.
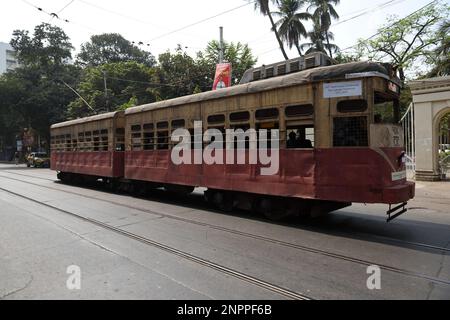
x=290 y=26
x=127 y=83
x=238 y=54
x=48 y=46
x=440 y=56
x=403 y=42
x=112 y=48
x=32 y=96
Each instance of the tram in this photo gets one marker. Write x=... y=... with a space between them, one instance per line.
x=337 y=131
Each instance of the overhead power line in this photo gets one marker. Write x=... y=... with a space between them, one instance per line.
x=201 y=21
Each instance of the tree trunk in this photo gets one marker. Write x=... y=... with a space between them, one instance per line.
x=328 y=43
x=299 y=50
x=274 y=28
x=401 y=72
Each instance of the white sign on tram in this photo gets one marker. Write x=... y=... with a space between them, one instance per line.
x=342 y=89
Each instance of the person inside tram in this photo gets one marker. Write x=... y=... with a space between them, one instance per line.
x=292 y=141
x=302 y=142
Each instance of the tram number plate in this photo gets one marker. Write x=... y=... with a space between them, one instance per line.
x=398 y=175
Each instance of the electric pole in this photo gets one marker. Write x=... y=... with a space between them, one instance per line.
x=106 y=90
x=221 y=46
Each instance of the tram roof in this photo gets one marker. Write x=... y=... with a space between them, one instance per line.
x=98 y=117
x=337 y=72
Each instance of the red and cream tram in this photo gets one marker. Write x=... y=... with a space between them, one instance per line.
x=339 y=138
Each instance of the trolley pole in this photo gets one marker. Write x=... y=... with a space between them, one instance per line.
x=221 y=45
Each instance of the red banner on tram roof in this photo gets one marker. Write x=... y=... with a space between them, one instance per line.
x=223 y=76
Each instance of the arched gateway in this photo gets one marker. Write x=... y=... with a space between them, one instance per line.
x=431 y=98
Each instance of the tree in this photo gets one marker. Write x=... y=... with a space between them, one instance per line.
x=403 y=42
x=128 y=84
x=263 y=6
x=318 y=37
x=112 y=48
x=440 y=56
x=238 y=54
x=290 y=26
x=32 y=95
x=324 y=12
x=49 y=46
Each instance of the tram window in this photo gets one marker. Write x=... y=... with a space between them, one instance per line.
x=148 y=126
x=104 y=140
x=304 y=110
x=243 y=127
x=281 y=69
x=267 y=114
x=104 y=143
x=68 y=142
x=162 y=125
x=96 y=144
x=74 y=145
x=383 y=109
x=163 y=140
x=149 y=138
x=120 y=139
x=269 y=126
x=300 y=137
x=178 y=124
x=346 y=106
x=240 y=116
x=218 y=118
x=136 y=128
x=350 y=132
x=136 y=141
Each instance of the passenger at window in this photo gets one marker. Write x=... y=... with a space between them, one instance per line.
x=292 y=141
x=302 y=142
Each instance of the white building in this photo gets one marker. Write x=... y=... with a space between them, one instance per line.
x=8 y=60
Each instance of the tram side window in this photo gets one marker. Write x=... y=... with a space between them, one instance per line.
x=350 y=132
x=120 y=139
x=149 y=137
x=136 y=138
x=104 y=145
x=68 y=142
x=81 y=141
x=88 y=139
x=163 y=135
x=383 y=109
x=300 y=137
x=243 y=116
x=96 y=139
x=268 y=119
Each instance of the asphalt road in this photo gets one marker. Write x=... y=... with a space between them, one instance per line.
x=162 y=247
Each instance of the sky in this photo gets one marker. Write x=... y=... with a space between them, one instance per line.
x=157 y=22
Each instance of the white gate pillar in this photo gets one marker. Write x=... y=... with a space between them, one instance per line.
x=431 y=98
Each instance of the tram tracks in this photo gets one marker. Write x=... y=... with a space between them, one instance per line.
x=182 y=254
x=360 y=236
x=252 y=236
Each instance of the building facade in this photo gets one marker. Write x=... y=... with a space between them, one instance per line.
x=431 y=98
x=8 y=60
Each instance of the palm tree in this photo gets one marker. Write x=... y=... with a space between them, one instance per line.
x=318 y=38
x=325 y=12
x=290 y=26
x=264 y=8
